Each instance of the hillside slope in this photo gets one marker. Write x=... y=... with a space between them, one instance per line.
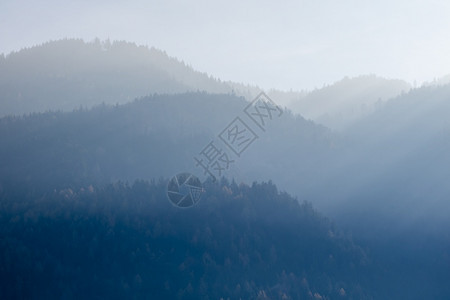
x=122 y=241
x=347 y=101
x=68 y=74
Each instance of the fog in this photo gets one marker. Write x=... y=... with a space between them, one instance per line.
x=230 y=150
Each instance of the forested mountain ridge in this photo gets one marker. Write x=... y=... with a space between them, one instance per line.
x=160 y=135
x=373 y=181
x=341 y=104
x=70 y=73
x=122 y=241
x=407 y=140
x=383 y=177
x=148 y=138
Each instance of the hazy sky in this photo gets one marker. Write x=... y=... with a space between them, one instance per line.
x=285 y=44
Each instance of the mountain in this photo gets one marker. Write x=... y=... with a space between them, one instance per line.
x=339 y=105
x=151 y=137
x=399 y=158
x=444 y=80
x=127 y=241
x=70 y=73
x=391 y=161
x=381 y=183
x=381 y=177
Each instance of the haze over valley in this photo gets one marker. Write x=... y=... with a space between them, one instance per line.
x=153 y=167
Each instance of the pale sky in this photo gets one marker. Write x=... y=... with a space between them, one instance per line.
x=285 y=45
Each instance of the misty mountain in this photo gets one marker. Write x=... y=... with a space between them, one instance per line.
x=224 y=150
x=444 y=80
x=127 y=241
x=339 y=105
x=394 y=160
x=399 y=158
x=383 y=176
x=68 y=74
x=69 y=233
x=148 y=138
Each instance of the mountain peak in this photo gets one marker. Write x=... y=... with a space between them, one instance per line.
x=48 y=76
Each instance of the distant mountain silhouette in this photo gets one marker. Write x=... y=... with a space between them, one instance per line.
x=70 y=73
x=384 y=178
x=147 y=138
x=339 y=105
x=398 y=153
x=444 y=80
x=400 y=156
x=380 y=170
